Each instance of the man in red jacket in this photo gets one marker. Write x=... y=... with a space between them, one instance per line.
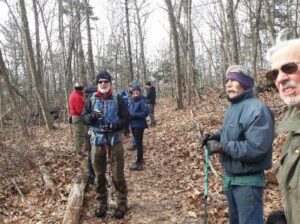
x=76 y=104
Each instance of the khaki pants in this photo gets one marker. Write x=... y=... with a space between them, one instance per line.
x=98 y=157
x=78 y=133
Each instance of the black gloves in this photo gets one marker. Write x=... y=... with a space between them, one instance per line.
x=70 y=119
x=214 y=146
x=109 y=127
x=97 y=114
x=210 y=136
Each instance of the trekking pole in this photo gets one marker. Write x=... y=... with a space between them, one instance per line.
x=206 y=183
x=203 y=143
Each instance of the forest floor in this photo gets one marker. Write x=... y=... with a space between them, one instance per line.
x=168 y=190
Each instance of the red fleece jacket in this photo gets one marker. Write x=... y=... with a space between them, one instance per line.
x=76 y=102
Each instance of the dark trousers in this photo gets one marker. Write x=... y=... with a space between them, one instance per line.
x=98 y=157
x=90 y=165
x=138 y=134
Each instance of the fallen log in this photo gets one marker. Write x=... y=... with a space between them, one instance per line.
x=75 y=200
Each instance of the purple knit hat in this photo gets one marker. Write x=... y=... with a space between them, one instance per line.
x=240 y=74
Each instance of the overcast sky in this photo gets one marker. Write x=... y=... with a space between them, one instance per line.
x=157 y=24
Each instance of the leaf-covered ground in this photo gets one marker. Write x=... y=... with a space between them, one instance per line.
x=169 y=189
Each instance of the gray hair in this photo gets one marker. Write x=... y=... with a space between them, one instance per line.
x=241 y=69
x=282 y=40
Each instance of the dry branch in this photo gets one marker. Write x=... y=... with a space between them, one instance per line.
x=75 y=201
x=18 y=189
x=5 y=113
x=47 y=178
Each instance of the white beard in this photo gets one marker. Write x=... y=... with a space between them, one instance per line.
x=290 y=100
x=103 y=90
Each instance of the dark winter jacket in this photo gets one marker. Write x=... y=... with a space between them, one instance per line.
x=138 y=111
x=124 y=95
x=115 y=111
x=247 y=133
x=151 y=95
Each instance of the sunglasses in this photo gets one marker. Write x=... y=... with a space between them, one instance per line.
x=288 y=68
x=105 y=81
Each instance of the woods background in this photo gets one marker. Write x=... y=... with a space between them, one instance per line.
x=47 y=45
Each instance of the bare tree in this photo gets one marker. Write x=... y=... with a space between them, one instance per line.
x=33 y=69
x=178 y=74
x=12 y=98
x=140 y=24
x=129 y=42
x=88 y=12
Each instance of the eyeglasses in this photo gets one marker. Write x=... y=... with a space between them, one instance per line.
x=288 y=68
x=105 y=81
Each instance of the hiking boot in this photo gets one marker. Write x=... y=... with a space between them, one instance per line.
x=101 y=211
x=136 y=166
x=131 y=148
x=91 y=180
x=120 y=211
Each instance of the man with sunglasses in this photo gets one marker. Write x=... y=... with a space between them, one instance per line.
x=107 y=115
x=244 y=143
x=285 y=61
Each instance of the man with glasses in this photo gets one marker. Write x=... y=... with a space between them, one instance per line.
x=244 y=143
x=285 y=62
x=107 y=115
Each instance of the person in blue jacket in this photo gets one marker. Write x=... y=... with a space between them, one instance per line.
x=138 y=111
x=124 y=95
x=244 y=143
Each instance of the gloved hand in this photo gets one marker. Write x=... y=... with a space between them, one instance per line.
x=109 y=127
x=209 y=136
x=97 y=114
x=70 y=119
x=214 y=146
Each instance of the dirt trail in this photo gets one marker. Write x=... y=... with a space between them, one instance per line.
x=158 y=193
x=168 y=190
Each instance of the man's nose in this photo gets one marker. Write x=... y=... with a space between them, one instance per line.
x=281 y=77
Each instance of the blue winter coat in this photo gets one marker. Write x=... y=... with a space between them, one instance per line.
x=138 y=111
x=248 y=133
x=114 y=110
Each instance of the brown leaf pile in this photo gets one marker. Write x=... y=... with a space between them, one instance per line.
x=169 y=189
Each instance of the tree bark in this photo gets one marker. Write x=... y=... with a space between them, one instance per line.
x=131 y=74
x=75 y=201
x=178 y=74
x=89 y=37
x=232 y=30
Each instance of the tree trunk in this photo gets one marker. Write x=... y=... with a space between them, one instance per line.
x=141 y=39
x=131 y=74
x=89 y=37
x=232 y=30
x=269 y=20
x=35 y=76
x=12 y=98
x=178 y=74
x=255 y=35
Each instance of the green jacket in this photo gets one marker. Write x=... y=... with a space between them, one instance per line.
x=289 y=171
